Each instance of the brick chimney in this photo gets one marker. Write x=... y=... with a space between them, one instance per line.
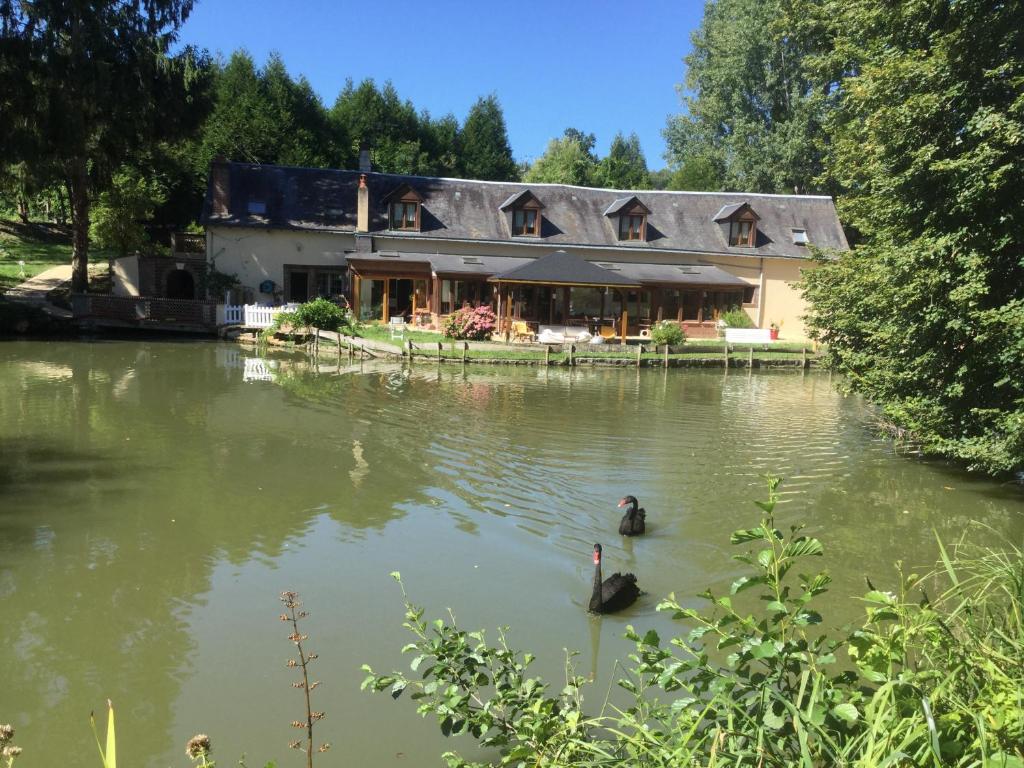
x=220 y=182
x=362 y=206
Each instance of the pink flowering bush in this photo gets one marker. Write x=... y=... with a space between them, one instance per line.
x=474 y=324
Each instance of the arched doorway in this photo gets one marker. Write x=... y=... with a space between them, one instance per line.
x=180 y=285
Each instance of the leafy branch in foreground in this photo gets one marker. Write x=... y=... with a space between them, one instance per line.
x=756 y=680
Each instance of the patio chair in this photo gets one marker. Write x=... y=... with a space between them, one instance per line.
x=397 y=326
x=607 y=332
x=521 y=331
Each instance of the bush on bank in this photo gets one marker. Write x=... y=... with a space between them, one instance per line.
x=933 y=676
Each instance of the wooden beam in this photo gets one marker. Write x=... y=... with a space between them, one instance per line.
x=385 y=305
x=625 y=324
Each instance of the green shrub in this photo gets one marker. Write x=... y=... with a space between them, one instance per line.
x=758 y=678
x=737 y=318
x=667 y=332
x=323 y=314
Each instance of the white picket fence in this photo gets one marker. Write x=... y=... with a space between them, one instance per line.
x=253 y=315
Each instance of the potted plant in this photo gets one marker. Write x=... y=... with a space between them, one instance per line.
x=773 y=330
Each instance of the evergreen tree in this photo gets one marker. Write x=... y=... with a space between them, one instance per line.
x=94 y=82
x=625 y=166
x=754 y=119
x=486 y=153
x=926 y=318
x=380 y=120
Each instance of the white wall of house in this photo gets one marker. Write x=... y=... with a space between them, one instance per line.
x=126 y=276
x=256 y=255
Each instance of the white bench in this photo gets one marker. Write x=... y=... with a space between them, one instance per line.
x=748 y=335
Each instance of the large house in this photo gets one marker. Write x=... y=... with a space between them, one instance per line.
x=422 y=247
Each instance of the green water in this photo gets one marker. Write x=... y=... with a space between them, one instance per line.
x=155 y=498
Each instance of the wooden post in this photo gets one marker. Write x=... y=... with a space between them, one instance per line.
x=639 y=351
x=803 y=355
x=408 y=346
x=727 y=354
x=339 y=349
x=600 y=320
x=750 y=358
x=625 y=322
x=666 y=355
x=572 y=354
x=547 y=355
x=440 y=347
x=465 y=350
x=356 y=297
x=508 y=315
x=386 y=308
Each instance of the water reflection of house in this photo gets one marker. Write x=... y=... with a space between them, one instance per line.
x=422 y=247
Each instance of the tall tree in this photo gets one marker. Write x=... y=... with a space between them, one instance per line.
x=568 y=160
x=927 y=316
x=378 y=118
x=95 y=81
x=264 y=116
x=755 y=114
x=486 y=153
x=624 y=167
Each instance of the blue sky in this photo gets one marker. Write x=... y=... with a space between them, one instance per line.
x=598 y=66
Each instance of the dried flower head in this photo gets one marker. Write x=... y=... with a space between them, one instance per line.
x=11 y=752
x=6 y=733
x=198 y=746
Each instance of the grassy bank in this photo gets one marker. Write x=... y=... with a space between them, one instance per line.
x=39 y=246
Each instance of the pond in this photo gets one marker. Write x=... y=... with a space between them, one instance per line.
x=157 y=496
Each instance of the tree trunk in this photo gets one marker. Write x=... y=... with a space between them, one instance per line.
x=22 y=208
x=78 y=192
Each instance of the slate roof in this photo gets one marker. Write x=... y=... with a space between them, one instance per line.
x=462 y=209
x=566 y=268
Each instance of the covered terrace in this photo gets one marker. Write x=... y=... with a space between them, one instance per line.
x=564 y=289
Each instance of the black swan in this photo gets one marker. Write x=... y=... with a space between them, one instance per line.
x=616 y=592
x=633 y=521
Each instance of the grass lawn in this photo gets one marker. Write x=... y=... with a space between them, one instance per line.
x=383 y=333
x=40 y=246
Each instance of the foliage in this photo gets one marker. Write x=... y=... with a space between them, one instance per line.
x=667 y=332
x=486 y=153
x=472 y=323
x=84 y=88
x=215 y=283
x=264 y=116
x=753 y=121
x=757 y=679
x=119 y=212
x=323 y=314
x=624 y=167
x=568 y=160
x=737 y=318
x=926 y=317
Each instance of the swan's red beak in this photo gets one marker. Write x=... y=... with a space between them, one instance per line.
x=622 y=503
x=597 y=557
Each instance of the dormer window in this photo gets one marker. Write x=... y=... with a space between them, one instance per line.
x=405 y=216
x=525 y=221
x=741 y=232
x=524 y=214
x=632 y=216
x=404 y=208
x=739 y=222
x=632 y=227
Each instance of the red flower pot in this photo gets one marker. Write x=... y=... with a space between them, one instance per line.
x=773 y=334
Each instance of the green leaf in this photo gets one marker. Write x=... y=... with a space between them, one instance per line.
x=776 y=607
x=748 y=534
x=802 y=547
x=765 y=650
x=846 y=712
x=745 y=582
x=772 y=720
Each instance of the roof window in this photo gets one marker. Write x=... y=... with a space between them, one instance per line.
x=800 y=237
